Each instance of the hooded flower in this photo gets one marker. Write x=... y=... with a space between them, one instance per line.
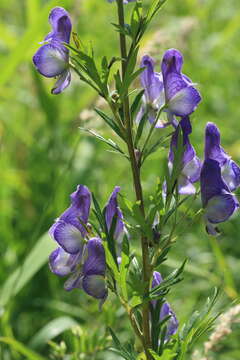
x=229 y=169
x=191 y=165
x=52 y=58
x=153 y=98
x=81 y=258
x=114 y=213
x=181 y=97
x=169 y=89
x=218 y=201
x=172 y=323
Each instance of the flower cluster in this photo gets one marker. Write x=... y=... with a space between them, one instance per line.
x=168 y=90
x=174 y=94
x=80 y=254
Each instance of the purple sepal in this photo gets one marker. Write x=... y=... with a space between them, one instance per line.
x=74 y=281
x=95 y=286
x=62 y=263
x=68 y=237
x=112 y=210
x=181 y=97
x=218 y=201
x=213 y=150
x=172 y=323
x=95 y=263
x=77 y=214
x=52 y=59
x=153 y=98
x=94 y=269
x=191 y=165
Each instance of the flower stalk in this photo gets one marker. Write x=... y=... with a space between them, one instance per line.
x=137 y=185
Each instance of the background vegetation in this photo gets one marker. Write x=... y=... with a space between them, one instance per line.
x=44 y=156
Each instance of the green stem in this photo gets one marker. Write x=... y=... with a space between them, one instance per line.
x=137 y=186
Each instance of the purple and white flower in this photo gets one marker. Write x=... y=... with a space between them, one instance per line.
x=229 y=169
x=220 y=176
x=113 y=212
x=169 y=90
x=52 y=58
x=181 y=97
x=78 y=255
x=172 y=323
x=190 y=163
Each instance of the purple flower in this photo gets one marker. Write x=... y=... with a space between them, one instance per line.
x=112 y=211
x=81 y=258
x=52 y=58
x=69 y=229
x=172 y=323
x=229 y=169
x=218 y=201
x=181 y=97
x=153 y=98
x=191 y=165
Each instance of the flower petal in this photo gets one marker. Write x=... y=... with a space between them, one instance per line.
x=68 y=237
x=62 y=82
x=95 y=264
x=181 y=97
x=112 y=211
x=62 y=263
x=95 y=285
x=74 y=281
x=213 y=150
x=151 y=81
x=185 y=101
x=185 y=186
x=61 y=24
x=51 y=60
x=211 y=181
x=77 y=214
x=220 y=207
x=231 y=174
x=192 y=169
x=172 y=324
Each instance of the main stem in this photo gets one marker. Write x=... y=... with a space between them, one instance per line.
x=137 y=186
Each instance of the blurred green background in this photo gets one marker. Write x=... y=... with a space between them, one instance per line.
x=44 y=156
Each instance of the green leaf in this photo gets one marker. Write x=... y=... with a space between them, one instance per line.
x=126 y=353
x=154 y=8
x=33 y=262
x=140 y=129
x=111 y=262
x=136 y=18
x=167 y=355
x=21 y=349
x=136 y=102
x=51 y=330
x=109 y=122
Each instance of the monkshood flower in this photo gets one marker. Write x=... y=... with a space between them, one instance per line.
x=52 y=58
x=218 y=201
x=81 y=258
x=114 y=213
x=191 y=165
x=229 y=169
x=172 y=323
x=170 y=89
x=153 y=97
x=181 y=97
